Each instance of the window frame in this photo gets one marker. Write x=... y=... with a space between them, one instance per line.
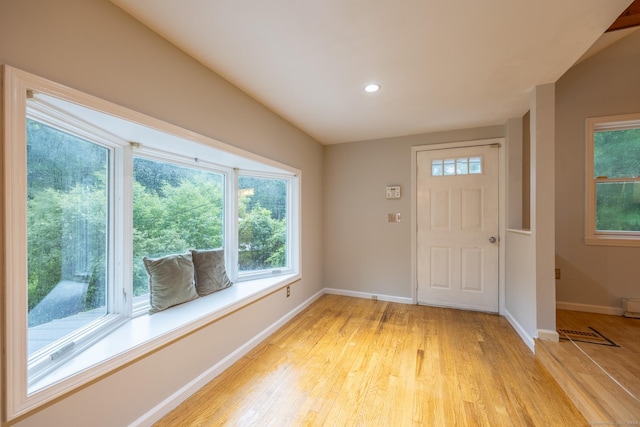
x=42 y=362
x=592 y=235
x=145 y=152
x=53 y=383
x=455 y=161
x=287 y=269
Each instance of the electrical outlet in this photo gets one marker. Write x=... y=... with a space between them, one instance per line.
x=558 y=274
x=288 y=291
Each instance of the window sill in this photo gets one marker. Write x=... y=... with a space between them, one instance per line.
x=624 y=241
x=146 y=333
x=522 y=231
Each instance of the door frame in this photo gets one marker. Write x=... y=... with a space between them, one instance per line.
x=502 y=191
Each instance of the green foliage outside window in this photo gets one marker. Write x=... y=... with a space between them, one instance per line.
x=262 y=226
x=178 y=209
x=66 y=218
x=617 y=156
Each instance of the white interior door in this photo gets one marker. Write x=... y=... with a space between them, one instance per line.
x=457 y=226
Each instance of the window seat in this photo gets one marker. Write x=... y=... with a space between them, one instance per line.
x=145 y=333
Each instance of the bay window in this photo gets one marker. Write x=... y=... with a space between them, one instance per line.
x=91 y=189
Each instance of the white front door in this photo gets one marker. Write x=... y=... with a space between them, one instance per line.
x=457 y=226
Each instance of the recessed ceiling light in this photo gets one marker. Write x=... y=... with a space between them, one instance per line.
x=372 y=87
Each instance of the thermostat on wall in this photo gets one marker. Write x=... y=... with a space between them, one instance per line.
x=393 y=192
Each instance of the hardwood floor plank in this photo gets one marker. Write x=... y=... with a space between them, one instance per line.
x=596 y=376
x=350 y=362
x=621 y=362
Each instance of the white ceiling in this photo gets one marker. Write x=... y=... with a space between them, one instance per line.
x=445 y=64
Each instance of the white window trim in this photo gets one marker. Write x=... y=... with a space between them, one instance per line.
x=143 y=152
x=592 y=236
x=41 y=362
x=164 y=327
x=292 y=213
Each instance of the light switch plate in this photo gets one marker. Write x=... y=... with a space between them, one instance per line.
x=393 y=192
x=394 y=217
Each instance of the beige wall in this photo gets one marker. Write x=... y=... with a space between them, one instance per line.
x=363 y=252
x=529 y=260
x=604 y=84
x=520 y=268
x=542 y=179
x=93 y=46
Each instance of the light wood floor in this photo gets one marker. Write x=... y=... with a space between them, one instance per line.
x=603 y=381
x=348 y=361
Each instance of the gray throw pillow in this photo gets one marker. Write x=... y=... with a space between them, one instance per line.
x=171 y=281
x=211 y=274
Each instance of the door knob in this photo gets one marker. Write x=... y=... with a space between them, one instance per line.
x=492 y=239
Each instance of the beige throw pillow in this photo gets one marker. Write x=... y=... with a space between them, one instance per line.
x=171 y=281
x=211 y=274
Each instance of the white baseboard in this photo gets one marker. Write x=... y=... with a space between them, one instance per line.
x=171 y=402
x=368 y=295
x=547 y=335
x=601 y=309
x=528 y=340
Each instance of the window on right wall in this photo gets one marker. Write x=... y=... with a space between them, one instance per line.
x=613 y=181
